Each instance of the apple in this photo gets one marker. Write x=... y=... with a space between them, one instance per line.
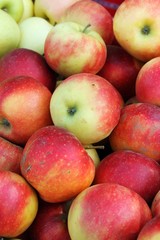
x=10 y=156
x=10 y=33
x=151 y=230
x=148 y=82
x=130 y=169
x=28 y=10
x=107 y=211
x=138 y=130
x=34 y=31
x=87 y=12
x=19 y=204
x=22 y=61
x=64 y=168
x=87 y=105
x=51 y=10
x=72 y=48
x=50 y=223
x=155 y=206
x=24 y=108
x=92 y=152
x=138 y=35
x=13 y=8
x=110 y=5
x=121 y=70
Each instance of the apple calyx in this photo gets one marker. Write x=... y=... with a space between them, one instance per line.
x=86 y=27
x=72 y=110
x=146 y=30
x=5 y=123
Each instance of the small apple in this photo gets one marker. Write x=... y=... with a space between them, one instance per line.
x=24 y=108
x=130 y=169
x=138 y=35
x=87 y=12
x=64 y=168
x=50 y=222
x=10 y=33
x=138 y=130
x=148 y=82
x=28 y=9
x=87 y=105
x=151 y=230
x=13 y=8
x=51 y=10
x=10 y=156
x=107 y=211
x=92 y=152
x=155 y=206
x=26 y=62
x=121 y=70
x=34 y=31
x=19 y=204
x=72 y=48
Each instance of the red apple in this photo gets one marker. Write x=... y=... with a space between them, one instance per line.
x=148 y=82
x=138 y=129
x=27 y=62
x=87 y=12
x=24 y=108
x=64 y=168
x=50 y=223
x=10 y=156
x=121 y=70
x=107 y=211
x=110 y=5
x=72 y=48
x=151 y=230
x=87 y=105
x=130 y=169
x=155 y=206
x=19 y=204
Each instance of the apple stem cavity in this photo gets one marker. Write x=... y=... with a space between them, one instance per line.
x=146 y=30
x=4 y=122
x=86 y=27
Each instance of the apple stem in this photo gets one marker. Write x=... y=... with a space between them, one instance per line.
x=94 y=147
x=86 y=27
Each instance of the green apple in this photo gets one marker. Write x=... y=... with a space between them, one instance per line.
x=34 y=31
x=14 y=8
x=10 y=33
x=28 y=9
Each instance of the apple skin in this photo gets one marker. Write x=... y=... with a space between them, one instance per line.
x=121 y=70
x=87 y=105
x=27 y=62
x=24 y=108
x=155 y=206
x=10 y=156
x=151 y=230
x=34 y=31
x=50 y=223
x=130 y=169
x=112 y=210
x=50 y=10
x=87 y=12
x=28 y=10
x=64 y=167
x=148 y=82
x=10 y=33
x=138 y=130
x=71 y=48
x=19 y=204
x=13 y=8
x=110 y=5
x=138 y=35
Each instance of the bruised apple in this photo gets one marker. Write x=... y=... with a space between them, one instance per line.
x=64 y=168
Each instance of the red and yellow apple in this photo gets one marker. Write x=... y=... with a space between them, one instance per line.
x=72 y=48
x=87 y=105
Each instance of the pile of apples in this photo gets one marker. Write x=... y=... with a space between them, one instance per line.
x=79 y=120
